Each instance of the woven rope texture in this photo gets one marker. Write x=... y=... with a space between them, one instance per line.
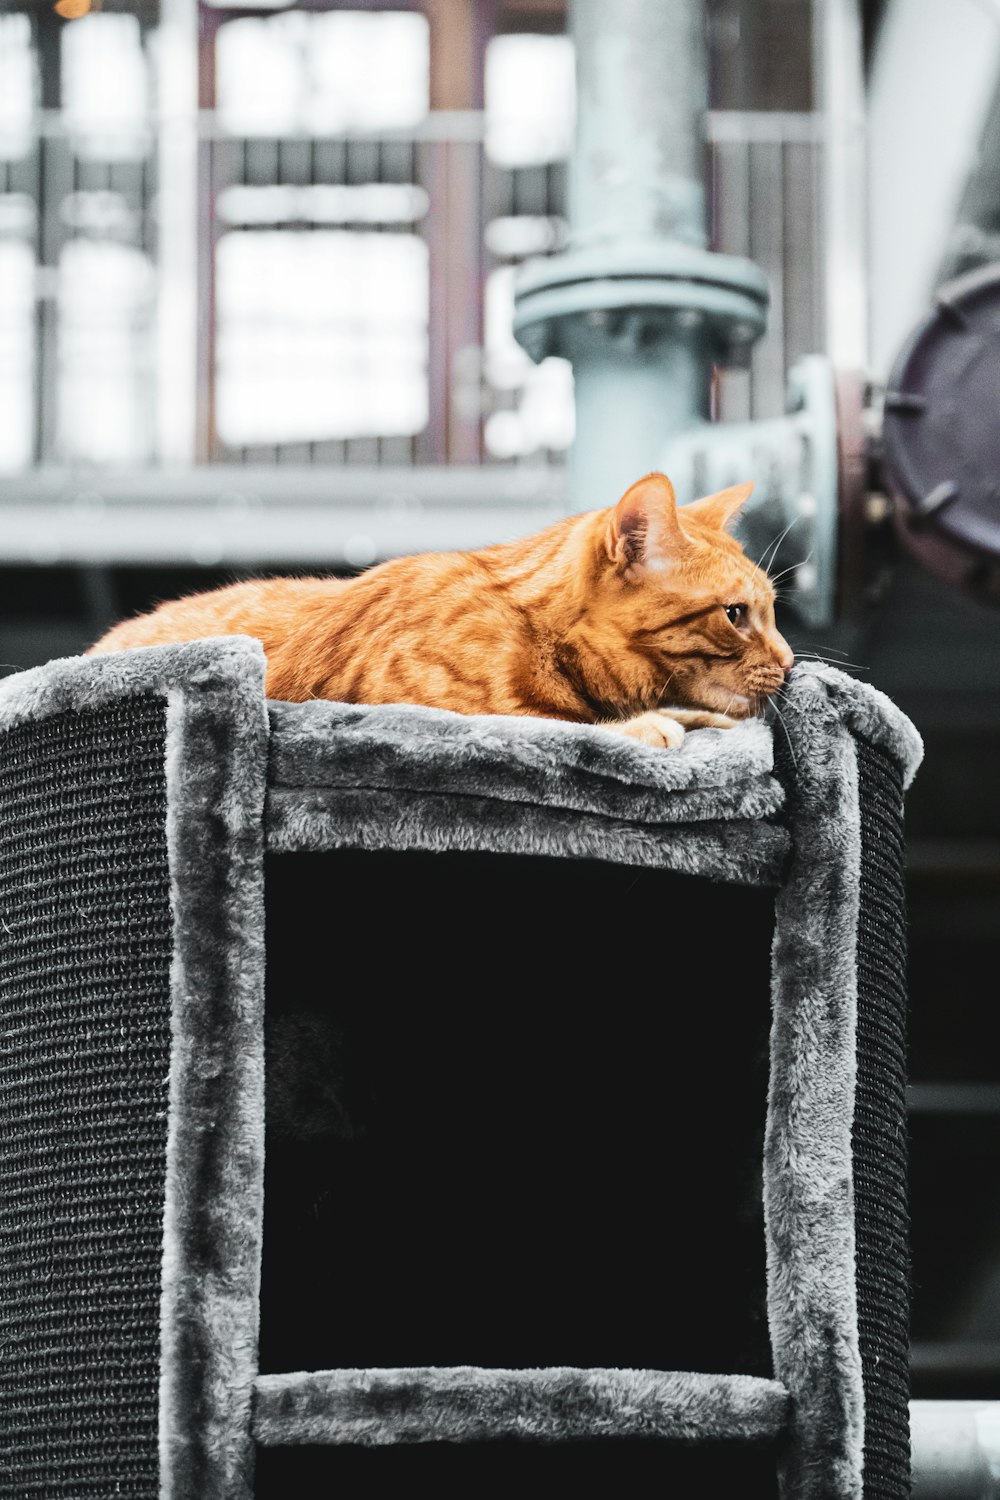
x=879 y=1140
x=85 y=944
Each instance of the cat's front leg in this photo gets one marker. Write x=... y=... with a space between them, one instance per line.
x=700 y=718
x=664 y=728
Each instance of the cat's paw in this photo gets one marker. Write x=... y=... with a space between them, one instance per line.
x=701 y=718
x=655 y=728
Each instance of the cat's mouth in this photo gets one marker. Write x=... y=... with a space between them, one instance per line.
x=734 y=705
x=747 y=705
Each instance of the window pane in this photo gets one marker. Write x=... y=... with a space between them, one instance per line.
x=17 y=300
x=106 y=299
x=530 y=99
x=322 y=335
x=105 y=87
x=17 y=87
x=323 y=73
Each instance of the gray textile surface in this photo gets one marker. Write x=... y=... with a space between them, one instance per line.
x=467 y=1404
x=216 y=770
x=808 y=1191
x=216 y=764
x=717 y=773
x=402 y=777
x=416 y=778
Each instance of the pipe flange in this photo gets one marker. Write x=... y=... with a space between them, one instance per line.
x=673 y=288
x=939 y=434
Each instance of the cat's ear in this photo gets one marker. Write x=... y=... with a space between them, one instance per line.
x=719 y=510
x=643 y=531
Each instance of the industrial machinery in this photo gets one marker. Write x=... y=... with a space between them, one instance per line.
x=646 y=314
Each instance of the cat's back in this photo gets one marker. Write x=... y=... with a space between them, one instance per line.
x=267 y=608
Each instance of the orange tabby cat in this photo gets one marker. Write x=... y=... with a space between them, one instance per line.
x=643 y=617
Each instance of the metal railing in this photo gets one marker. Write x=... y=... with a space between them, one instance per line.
x=114 y=327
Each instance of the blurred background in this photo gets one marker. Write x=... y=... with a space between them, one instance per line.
x=258 y=273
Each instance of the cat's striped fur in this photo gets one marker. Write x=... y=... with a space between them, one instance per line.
x=644 y=617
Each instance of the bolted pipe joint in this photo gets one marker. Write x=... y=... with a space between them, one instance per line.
x=636 y=303
x=643 y=325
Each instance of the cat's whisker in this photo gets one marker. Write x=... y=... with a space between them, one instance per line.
x=836 y=650
x=784 y=726
x=663 y=694
x=792 y=568
x=829 y=661
x=818 y=656
x=772 y=549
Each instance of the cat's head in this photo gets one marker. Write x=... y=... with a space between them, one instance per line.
x=693 y=611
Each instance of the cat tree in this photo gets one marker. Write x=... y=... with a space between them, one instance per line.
x=511 y=984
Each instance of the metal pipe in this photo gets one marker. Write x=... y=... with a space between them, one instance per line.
x=635 y=379
x=246 y=515
x=177 y=230
x=635 y=174
x=642 y=91
x=975 y=238
x=637 y=304
x=838 y=71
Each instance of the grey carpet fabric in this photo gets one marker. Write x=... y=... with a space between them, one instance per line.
x=75 y=683
x=467 y=1404
x=819 y=691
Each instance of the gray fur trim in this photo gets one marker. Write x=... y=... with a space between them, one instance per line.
x=717 y=773
x=869 y=714
x=82 y=682
x=216 y=761
x=808 y=1181
x=740 y=850
x=467 y=1404
x=216 y=776
x=403 y=777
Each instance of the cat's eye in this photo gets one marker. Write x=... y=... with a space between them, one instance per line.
x=736 y=613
